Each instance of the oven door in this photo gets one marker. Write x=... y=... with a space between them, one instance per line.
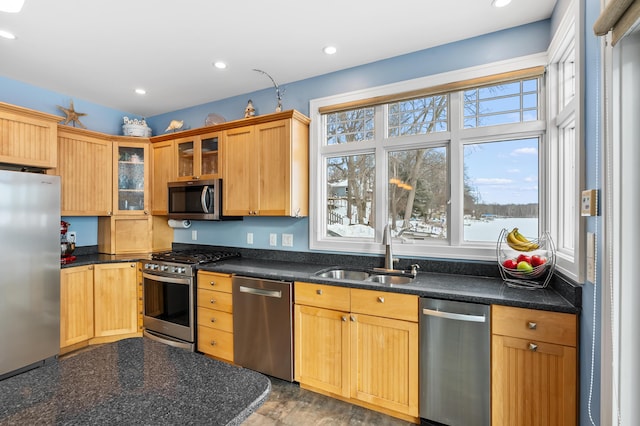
x=169 y=306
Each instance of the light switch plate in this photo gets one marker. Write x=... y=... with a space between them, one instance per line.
x=589 y=202
x=273 y=239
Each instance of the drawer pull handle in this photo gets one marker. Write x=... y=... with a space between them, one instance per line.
x=213 y=343
x=344 y=318
x=213 y=320
x=212 y=300
x=532 y=325
x=319 y=291
x=533 y=347
x=380 y=299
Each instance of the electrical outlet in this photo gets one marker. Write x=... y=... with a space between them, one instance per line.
x=287 y=240
x=71 y=237
x=273 y=239
x=194 y=235
x=589 y=204
x=249 y=237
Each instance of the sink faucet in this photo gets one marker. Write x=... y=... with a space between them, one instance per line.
x=388 y=250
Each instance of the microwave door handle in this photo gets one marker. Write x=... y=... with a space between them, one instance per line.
x=203 y=199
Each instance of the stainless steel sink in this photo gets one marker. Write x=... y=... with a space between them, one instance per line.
x=344 y=274
x=390 y=279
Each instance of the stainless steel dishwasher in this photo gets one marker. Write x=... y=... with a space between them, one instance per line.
x=263 y=326
x=455 y=363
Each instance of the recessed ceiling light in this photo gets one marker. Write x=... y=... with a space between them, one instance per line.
x=11 y=6
x=141 y=91
x=220 y=65
x=500 y=3
x=330 y=50
x=7 y=34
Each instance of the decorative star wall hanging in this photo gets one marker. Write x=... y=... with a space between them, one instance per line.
x=72 y=116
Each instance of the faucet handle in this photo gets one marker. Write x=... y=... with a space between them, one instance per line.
x=414 y=269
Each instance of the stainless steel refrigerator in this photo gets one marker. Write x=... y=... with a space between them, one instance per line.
x=29 y=270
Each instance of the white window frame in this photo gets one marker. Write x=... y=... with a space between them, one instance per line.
x=455 y=248
x=564 y=202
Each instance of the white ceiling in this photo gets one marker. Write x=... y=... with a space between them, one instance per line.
x=101 y=50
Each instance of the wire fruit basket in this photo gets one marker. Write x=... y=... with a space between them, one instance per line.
x=527 y=277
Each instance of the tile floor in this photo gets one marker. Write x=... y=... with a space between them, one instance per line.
x=287 y=404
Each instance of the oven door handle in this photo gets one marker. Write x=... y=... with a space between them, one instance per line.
x=185 y=281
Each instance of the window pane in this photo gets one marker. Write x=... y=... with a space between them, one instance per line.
x=418 y=116
x=350 y=126
x=350 y=196
x=501 y=104
x=418 y=193
x=500 y=188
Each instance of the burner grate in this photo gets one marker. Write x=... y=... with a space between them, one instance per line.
x=194 y=256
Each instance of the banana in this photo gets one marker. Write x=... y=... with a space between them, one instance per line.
x=518 y=242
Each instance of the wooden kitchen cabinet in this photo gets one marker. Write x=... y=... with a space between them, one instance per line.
x=198 y=156
x=130 y=178
x=85 y=167
x=266 y=167
x=163 y=171
x=99 y=304
x=76 y=306
x=115 y=301
x=533 y=367
x=358 y=345
x=215 y=315
x=28 y=137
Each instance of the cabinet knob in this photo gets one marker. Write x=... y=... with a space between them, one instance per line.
x=353 y=319
x=319 y=291
x=212 y=300
x=213 y=343
x=380 y=299
x=146 y=212
x=212 y=283
x=344 y=318
x=213 y=320
x=533 y=347
x=133 y=265
x=532 y=325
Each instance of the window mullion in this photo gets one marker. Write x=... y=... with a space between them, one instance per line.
x=456 y=170
x=382 y=172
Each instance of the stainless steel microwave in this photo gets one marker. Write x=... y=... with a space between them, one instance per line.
x=196 y=200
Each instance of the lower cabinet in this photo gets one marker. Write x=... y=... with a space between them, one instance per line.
x=215 y=315
x=98 y=304
x=534 y=367
x=358 y=345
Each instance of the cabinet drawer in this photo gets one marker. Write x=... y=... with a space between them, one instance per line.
x=215 y=300
x=551 y=327
x=384 y=304
x=213 y=281
x=322 y=296
x=215 y=319
x=215 y=343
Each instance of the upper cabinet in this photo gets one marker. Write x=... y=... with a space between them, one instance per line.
x=263 y=161
x=27 y=137
x=197 y=157
x=266 y=167
x=131 y=178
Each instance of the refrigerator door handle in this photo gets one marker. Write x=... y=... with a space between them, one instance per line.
x=454 y=316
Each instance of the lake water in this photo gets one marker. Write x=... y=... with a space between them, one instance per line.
x=490 y=230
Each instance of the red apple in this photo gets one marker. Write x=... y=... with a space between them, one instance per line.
x=523 y=258
x=538 y=260
x=510 y=264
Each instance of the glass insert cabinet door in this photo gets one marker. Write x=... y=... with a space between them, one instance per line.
x=131 y=178
x=198 y=157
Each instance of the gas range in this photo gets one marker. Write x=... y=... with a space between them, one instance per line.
x=183 y=263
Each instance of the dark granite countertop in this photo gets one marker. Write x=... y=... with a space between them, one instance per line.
x=437 y=279
x=133 y=382
x=465 y=288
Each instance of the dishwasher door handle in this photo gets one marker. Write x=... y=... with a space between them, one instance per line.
x=454 y=316
x=261 y=292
